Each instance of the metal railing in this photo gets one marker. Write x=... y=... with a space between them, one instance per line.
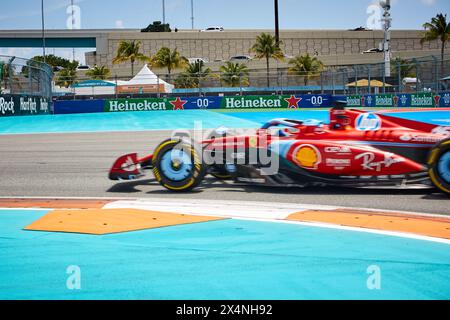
x=413 y=75
x=23 y=76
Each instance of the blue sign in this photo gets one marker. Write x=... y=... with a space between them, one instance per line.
x=444 y=101
x=202 y=103
x=315 y=100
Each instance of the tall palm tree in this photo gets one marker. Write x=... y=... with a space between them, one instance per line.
x=234 y=74
x=306 y=66
x=438 y=28
x=266 y=47
x=99 y=73
x=192 y=75
x=129 y=51
x=166 y=58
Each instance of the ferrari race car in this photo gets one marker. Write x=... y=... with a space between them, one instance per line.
x=355 y=149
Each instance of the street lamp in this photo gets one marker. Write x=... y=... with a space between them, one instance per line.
x=164 y=11
x=386 y=5
x=43 y=29
x=277 y=27
x=192 y=13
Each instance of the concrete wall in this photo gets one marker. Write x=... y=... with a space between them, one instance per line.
x=333 y=47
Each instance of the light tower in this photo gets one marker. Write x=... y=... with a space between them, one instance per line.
x=386 y=5
x=164 y=11
x=43 y=29
x=192 y=13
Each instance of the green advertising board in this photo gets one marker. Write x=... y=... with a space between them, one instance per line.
x=255 y=102
x=422 y=100
x=148 y=104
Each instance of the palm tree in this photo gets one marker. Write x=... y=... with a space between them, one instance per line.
x=192 y=75
x=267 y=47
x=166 y=58
x=129 y=51
x=438 y=28
x=305 y=66
x=99 y=73
x=66 y=77
x=234 y=74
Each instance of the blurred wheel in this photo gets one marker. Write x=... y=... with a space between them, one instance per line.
x=439 y=166
x=177 y=165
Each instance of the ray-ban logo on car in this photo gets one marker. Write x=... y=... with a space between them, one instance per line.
x=368 y=122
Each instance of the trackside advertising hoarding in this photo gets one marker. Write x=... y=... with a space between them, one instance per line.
x=402 y=100
x=22 y=105
x=228 y=103
x=234 y=103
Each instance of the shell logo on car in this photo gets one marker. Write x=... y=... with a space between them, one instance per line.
x=307 y=156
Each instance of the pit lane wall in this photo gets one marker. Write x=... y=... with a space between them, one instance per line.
x=24 y=105
x=422 y=100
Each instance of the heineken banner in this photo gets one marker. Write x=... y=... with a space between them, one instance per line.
x=404 y=100
x=21 y=105
x=229 y=102
x=421 y=100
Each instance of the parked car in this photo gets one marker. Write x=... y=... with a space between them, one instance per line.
x=241 y=58
x=84 y=67
x=212 y=29
x=373 y=50
x=194 y=60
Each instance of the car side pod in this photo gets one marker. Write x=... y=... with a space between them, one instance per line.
x=439 y=166
x=126 y=167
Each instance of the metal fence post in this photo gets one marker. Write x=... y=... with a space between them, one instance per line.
x=240 y=84
x=436 y=73
x=321 y=81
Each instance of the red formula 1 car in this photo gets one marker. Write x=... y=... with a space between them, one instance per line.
x=356 y=149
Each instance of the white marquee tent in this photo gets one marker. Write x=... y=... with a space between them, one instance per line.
x=145 y=80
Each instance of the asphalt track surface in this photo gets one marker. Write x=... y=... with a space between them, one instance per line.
x=77 y=164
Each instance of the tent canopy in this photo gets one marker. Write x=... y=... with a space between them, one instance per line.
x=364 y=83
x=446 y=78
x=148 y=77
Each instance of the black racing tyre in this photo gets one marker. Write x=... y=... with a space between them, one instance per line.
x=177 y=165
x=218 y=171
x=439 y=166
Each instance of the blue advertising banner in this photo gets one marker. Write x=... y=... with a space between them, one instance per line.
x=315 y=100
x=444 y=99
x=198 y=103
x=78 y=106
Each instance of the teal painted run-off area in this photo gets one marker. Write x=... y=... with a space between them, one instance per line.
x=170 y=120
x=227 y=259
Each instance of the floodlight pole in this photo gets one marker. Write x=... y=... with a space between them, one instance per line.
x=164 y=11
x=387 y=38
x=192 y=13
x=277 y=26
x=43 y=29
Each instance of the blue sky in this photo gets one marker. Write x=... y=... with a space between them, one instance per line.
x=231 y=14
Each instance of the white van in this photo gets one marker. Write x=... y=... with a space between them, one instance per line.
x=194 y=60
x=212 y=29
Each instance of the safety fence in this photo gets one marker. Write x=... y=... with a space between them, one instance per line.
x=412 y=75
x=24 y=77
x=25 y=87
